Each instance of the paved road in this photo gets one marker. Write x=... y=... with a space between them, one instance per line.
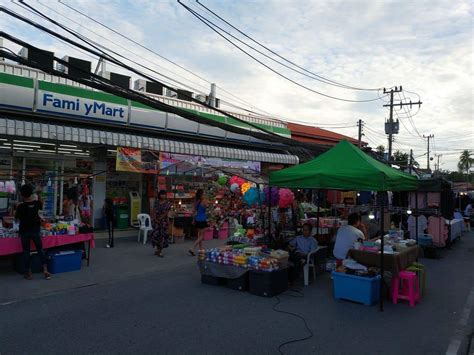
x=151 y=305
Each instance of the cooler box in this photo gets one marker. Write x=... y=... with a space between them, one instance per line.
x=268 y=284
x=65 y=261
x=425 y=240
x=360 y=289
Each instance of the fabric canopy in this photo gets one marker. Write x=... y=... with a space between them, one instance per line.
x=344 y=167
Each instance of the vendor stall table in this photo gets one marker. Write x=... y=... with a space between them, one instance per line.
x=392 y=262
x=221 y=270
x=455 y=228
x=9 y=246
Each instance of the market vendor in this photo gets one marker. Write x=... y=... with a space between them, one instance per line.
x=299 y=248
x=347 y=235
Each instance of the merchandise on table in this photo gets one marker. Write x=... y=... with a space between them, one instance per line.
x=48 y=229
x=247 y=258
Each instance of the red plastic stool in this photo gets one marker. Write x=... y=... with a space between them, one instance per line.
x=406 y=287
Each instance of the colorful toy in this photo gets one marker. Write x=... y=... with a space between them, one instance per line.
x=286 y=198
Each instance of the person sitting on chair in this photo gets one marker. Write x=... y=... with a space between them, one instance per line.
x=299 y=248
x=347 y=235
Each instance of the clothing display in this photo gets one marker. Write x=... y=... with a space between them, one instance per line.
x=438 y=229
x=422 y=225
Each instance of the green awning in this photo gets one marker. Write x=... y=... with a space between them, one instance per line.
x=344 y=167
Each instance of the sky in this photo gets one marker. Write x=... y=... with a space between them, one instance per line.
x=424 y=46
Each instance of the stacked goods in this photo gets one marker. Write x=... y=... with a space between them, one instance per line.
x=240 y=258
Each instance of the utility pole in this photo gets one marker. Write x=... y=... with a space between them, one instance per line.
x=428 y=150
x=411 y=161
x=392 y=127
x=360 y=124
x=437 y=165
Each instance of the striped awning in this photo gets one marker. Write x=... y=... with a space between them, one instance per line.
x=64 y=134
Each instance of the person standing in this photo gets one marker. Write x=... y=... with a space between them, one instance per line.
x=468 y=216
x=160 y=234
x=28 y=215
x=200 y=219
x=109 y=214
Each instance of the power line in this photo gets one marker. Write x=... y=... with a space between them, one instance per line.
x=212 y=27
x=312 y=74
x=242 y=101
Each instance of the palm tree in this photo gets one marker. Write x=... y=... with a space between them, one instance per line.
x=380 y=150
x=465 y=162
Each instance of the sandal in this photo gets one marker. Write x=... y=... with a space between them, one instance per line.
x=28 y=276
x=47 y=275
x=191 y=252
x=161 y=255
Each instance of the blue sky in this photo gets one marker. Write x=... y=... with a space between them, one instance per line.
x=425 y=46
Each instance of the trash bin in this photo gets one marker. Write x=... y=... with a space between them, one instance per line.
x=122 y=216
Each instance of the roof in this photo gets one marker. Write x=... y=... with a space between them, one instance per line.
x=304 y=133
x=344 y=167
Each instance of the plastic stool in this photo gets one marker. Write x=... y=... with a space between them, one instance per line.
x=420 y=271
x=406 y=287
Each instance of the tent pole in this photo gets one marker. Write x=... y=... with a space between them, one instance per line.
x=382 y=227
x=262 y=214
x=269 y=213
x=317 y=216
x=416 y=216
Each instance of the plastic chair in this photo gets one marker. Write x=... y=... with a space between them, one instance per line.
x=406 y=287
x=144 y=225
x=311 y=262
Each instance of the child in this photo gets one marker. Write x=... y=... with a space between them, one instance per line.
x=109 y=214
x=27 y=214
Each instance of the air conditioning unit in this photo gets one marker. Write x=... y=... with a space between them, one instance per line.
x=201 y=98
x=43 y=60
x=118 y=79
x=78 y=67
x=171 y=93
x=149 y=87
x=185 y=95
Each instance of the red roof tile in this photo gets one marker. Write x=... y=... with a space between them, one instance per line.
x=305 y=133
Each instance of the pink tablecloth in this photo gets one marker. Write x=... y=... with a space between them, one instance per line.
x=13 y=245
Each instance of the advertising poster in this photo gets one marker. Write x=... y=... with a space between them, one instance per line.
x=137 y=161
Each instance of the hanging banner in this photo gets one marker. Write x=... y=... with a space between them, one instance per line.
x=168 y=159
x=137 y=161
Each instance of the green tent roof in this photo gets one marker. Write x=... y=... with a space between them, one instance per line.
x=344 y=167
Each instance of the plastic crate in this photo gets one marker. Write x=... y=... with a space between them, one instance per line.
x=360 y=289
x=65 y=261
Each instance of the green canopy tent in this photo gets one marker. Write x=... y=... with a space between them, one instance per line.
x=346 y=167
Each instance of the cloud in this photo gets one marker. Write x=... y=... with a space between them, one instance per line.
x=425 y=46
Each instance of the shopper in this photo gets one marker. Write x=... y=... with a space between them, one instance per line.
x=299 y=249
x=468 y=216
x=109 y=215
x=28 y=215
x=162 y=208
x=347 y=235
x=200 y=219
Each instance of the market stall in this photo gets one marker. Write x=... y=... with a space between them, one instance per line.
x=345 y=167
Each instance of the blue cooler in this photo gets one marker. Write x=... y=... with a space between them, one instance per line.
x=65 y=261
x=360 y=289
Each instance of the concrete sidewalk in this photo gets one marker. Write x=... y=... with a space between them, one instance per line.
x=127 y=259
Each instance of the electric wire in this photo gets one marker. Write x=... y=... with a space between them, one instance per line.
x=313 y=75
x=211 y=26
x=162 y=57
x=99 y=52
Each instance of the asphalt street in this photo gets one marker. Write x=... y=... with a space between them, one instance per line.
x=129 y=301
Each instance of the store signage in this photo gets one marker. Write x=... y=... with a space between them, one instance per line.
x=77 y=106
x=131 y=160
